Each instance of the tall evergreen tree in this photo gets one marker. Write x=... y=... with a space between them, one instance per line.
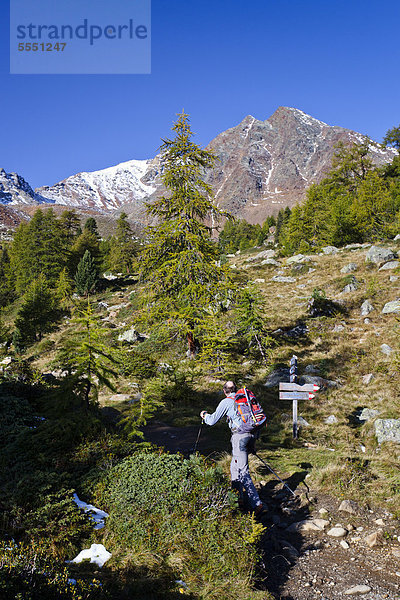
x=86 y=356
x=38 y=310
x=91 y=225
x=123 y=246
x=392 y=138
x=179 y=263
x=86 y=275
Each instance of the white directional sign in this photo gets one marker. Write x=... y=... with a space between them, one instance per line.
x=295 y=387
x=296 y=396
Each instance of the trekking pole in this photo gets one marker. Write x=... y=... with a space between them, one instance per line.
x=198 y=437
x=273 y=472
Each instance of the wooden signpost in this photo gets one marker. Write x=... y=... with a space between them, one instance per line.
x=293 y=391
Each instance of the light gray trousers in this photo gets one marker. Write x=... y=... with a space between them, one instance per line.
x=240 y=473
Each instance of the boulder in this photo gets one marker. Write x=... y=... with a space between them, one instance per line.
x=351 y=287
x=386 y=349
x=367 y=378
x=366 y=308
x=331 y=420
x=320 y=381
x=131 y=336
x=120 y=398
x=367 y=414
x=312 y=370
x=261 y=255
x=298 y=258
x=391 y=307
x=357 y=590
x=373 y=539
x=337 y=532
x=276 y=377
x=349 y=268
x=270 y=261
x=379 y=255
x=387 y=430
x=392 y=264
x=330 y=250
x=308 y=525
x=281 y=279
x=349 y=506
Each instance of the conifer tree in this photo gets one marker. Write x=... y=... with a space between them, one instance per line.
x=179 y=263
x=86 y=275
x=250 y=321
x=38 y=311
x=86 y=356
x=86 y=241
x=7 y=293
x=91 y=225
x=392 y=138
x=123 y=246
x=64 y=288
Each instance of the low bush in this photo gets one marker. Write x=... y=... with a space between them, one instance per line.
x=165 y=510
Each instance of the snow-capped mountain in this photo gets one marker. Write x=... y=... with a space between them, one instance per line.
x=108 y=189
x=261 y=167
x=14 y=190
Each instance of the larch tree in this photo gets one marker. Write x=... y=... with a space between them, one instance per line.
x=180 y=261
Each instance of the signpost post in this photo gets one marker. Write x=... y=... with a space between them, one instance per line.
x=293 y=391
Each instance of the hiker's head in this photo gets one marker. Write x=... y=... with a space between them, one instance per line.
x=229 y=388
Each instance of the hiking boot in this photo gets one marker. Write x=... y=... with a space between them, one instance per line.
x=260 y=511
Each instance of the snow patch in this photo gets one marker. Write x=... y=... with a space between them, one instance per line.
x=95 y=514
x=96 y=554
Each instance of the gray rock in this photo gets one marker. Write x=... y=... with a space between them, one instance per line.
x=344 y=545
x=302 y=422
x=330 y=250
x=366 y=308
x=387 y=430
x=396 y=238
x=312 y=370
x=338 y=328
x=298 y=258
x=367 y=321
x=102 y=304
x=320 y=381
x=131 y=336
x=331 y=420
x=349 y=506
x=261 y=255
x=351 y=287
x=393 y=278
x=367 y=378
x=379 y=255
x=349 y=268
x=386 y=349
x=281 y=279
x=391 y=307
x=337 y=532
x=392 y=264
x=357 y=590
x=120 y=398
x=367 y=414
x=260 y=280
x=270 y=261
x=308 y=525
x=276 y=377
x=357 y=246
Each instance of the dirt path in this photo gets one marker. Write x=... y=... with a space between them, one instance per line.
x=302 y=565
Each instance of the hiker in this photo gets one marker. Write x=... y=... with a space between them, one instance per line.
x=242 y=444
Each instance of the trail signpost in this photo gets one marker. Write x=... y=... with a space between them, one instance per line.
x=293 y=391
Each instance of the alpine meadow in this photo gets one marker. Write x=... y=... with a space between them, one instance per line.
x=118 y=327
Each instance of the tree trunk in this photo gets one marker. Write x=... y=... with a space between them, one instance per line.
x=87 y=393
x=192 y=345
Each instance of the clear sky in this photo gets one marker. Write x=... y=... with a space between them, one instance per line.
x=220 y=60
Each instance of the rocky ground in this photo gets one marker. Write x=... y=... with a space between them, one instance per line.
x=315 y=546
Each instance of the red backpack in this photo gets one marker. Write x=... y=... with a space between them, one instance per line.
x=248 y=411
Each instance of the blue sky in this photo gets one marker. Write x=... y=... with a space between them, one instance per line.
x=219 y=60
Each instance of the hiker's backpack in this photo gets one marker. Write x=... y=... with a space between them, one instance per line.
x=249 y=412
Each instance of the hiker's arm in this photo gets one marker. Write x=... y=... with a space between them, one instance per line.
x=220 y=411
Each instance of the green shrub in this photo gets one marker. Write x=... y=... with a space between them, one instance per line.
x=27 y=573
x=180 y=513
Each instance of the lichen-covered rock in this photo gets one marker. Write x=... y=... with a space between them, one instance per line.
x=386 y=349
x=349 y=268
x=330 y=250
x=366 y=308
x=387 y=430
x=392 y=264
x=282 y=279
x=391 y=307
x=367 y=414
x=379 y=255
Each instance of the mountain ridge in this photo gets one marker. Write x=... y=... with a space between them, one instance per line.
x=261 y=166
